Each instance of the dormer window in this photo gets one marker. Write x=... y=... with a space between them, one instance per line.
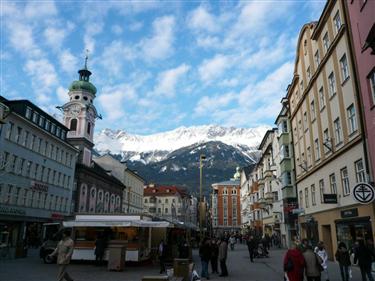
x=88 y=128
x=73 y=125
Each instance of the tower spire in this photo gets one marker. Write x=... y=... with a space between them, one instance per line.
x=84 y=73
x=86 y=58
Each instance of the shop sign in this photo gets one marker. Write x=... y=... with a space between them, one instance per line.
x=330 y=198
x=363 y=193
x=298 y=211
x=12 y=211
x=40 y=187
x=349 y=213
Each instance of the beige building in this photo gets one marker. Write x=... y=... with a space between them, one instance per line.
x=132 y=197
x=328 y=145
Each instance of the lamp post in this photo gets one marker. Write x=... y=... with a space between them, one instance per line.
x=201 y=209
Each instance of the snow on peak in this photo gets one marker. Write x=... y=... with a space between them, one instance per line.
x=117 y=141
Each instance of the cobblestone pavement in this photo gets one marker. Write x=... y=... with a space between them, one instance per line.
x=239 y=267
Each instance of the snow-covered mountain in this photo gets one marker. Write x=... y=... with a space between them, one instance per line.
x=157 y=147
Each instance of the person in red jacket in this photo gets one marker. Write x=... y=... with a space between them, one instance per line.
x=294 y=263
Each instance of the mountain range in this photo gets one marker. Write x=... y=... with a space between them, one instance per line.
x=173 y=157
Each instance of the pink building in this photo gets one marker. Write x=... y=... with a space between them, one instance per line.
x=361 y=14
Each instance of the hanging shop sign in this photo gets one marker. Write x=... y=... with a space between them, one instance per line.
x=349 y=213
x=330 y=198
x=363 y=193
x=12 y=211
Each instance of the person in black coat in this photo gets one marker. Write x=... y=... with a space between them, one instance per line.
x=365 y=255
x=343 y=258
x=100 y=245
x=251 y=246
x=214 y=255
x=205 y=255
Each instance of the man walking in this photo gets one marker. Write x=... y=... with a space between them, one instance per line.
x=223 y=250
x=251 y=246
x=64 y=252
x=205 y=255
x=364 y=255
x=161 y=254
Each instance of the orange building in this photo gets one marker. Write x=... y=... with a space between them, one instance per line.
x=226 y=206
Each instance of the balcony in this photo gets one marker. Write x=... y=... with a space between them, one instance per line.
x=285 y=165
x=268 y=173
x=284 y=138
x=288 y=191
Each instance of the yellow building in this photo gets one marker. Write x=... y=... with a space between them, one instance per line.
x=327 y=135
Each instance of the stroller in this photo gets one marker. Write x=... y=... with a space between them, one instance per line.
x=261 y=252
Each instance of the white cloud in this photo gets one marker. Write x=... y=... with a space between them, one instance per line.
x=40 y=10
x=21 y=38
x=168 y=79
x=116 y=29
x=209 y=104
x=43 y=78
x=160 y=44
x=62 y=94
x=113 y=98
x=54 y=37
x=135 y=26
x=92 y=29
x=115 y=55
x=201 y=20
x=208 y=41
x=211 y=69
x=229 y=82
x=68 y=62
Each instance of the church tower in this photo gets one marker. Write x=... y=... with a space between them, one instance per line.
x=80 y=115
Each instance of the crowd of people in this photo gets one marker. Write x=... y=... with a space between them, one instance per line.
x=304 y=260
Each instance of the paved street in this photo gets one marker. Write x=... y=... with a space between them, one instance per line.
x=239 y=267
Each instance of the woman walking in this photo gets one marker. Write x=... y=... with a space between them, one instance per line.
x=322 y=253
x=313 y=266
x=343 y=258
x=294 y=264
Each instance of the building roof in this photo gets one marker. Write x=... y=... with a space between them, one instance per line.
x=248 y=169
x=230 y=182
x=164 y=190
x=101 y=172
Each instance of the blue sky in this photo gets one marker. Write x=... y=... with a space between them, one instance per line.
x=157 y=65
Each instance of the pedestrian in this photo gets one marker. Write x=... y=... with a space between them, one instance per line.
x=364 y=255
x=205 y=255
x=251 y=246
x=214 y=255
x=100 y=245
x=183 y=250
x=64 y=252
x=343 y=258
x=162 y=255
x=232 y=241
x=312 y=264
x=294 y=263
x=322 y=253
x=223 y=251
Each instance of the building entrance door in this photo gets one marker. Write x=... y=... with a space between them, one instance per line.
x=327 y=239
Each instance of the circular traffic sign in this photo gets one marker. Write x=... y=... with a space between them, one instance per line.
x=363 y=193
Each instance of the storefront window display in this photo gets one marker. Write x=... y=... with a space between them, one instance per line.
x=349 y=231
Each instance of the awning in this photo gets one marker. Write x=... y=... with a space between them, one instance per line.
x=125 y=223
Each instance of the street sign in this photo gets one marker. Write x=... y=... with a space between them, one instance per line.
x=363 y=193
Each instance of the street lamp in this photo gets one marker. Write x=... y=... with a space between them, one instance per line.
x=201 y=209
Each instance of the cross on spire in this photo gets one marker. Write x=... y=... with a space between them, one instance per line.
x=86 y=58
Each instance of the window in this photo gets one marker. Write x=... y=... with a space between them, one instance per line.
x=372 y=86
x=360 y=171
x=332 y=182
x=337 y=126
x=25 y=138
x=28 y=168
x=18 y=135
x=345 y=181
x=301 y=198
x=166 y=210
x=35 y=117
x=305 y=120
x=58 y=132
x=317 y=58
x=351 y=119
x=332 y=86
x=326 y=141
x=337 y=22
x=309 y=159
x=321 y=98
x=28 y=112
x=47 y=125
x=317 y=149
x=53 y=128
x=88 y=128
x=326 y=41
x=321 y=190
x=9 y=132
x=284 y=151
x=73 y=124
x=344 y=68
x=32 y=142
x=41 y=121
x=313 y=195
x=312 y=109
x=301 y=86
x=308 y=73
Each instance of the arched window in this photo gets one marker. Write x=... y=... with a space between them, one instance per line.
x=88 y=128
x=73 y=125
